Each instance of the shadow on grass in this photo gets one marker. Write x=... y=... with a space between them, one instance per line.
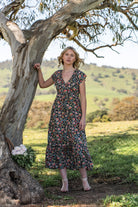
x=114 y=155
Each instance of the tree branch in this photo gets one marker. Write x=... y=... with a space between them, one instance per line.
x=86 y=49
x=13 y=8
x=99 y=47
x=132 y=4
x=46 y=30
x=11 y=33
x=119 y=9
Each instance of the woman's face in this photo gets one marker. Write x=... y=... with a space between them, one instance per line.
x=69 y=57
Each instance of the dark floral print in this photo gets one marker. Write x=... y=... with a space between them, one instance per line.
x=67 y=145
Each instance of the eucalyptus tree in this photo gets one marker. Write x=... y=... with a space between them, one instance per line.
x=29 y=27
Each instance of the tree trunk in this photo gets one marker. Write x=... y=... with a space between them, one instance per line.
x=15 y=181
x=20 y=96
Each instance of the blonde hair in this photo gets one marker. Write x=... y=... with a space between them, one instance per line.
x=78 y=60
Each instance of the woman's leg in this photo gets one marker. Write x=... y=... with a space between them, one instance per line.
x=85 y=183
x=63 y=173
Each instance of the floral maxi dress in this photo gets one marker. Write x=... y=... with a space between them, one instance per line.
x=67 y=145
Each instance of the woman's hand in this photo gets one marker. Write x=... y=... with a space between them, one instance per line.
x=37 y=66
x=82 y=124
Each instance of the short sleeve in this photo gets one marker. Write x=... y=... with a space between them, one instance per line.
x=54 y=77
x=82 y=76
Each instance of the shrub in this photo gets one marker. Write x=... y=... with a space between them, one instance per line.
x=95 y=99
x=96 y=115
x=122 y=91
x=121 y=76
x=97 y=119
x=105 y=118
x=127 y=109
x=23 y=156
x=115 y=101
x=106 y=76
x=39 y=114
x=96 y=79
x=113 y=88
x=118 y=71
x=106 y=99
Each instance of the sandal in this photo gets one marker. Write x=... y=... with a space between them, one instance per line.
x=86 y=186
x=64 y=188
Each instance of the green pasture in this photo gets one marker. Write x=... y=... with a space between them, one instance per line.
x=112 y=145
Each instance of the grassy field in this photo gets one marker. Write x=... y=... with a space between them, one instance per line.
x=113 y=147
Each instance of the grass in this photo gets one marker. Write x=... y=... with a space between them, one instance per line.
x=113 y=147
x=126 y=200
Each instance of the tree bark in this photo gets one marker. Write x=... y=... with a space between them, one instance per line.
x=15 y=181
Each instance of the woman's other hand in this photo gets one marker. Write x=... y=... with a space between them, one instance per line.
x=82 y=124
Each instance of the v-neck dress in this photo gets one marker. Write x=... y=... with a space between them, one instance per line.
x=67 y=145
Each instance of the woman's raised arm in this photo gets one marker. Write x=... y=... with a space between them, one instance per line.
x=42 y=82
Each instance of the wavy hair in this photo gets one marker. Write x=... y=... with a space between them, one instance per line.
x=77 y=62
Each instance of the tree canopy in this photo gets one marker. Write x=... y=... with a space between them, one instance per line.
x=117 y=18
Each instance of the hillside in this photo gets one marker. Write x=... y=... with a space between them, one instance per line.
x=102 y=85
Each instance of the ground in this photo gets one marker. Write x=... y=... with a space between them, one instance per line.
x=76 y=197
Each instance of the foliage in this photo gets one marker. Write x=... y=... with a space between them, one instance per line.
x=126 y=109
x=24 y=158
x=39 y=114
x=127 y=200
x=97 y=116
x=118 y=18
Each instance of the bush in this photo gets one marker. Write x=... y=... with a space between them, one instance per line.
x=105 y=118
x=96 y=116
x=118 y=71
x=121 y=76
x=113 y=88
x=23 y=156
x=106 y=76
x=122 y=91
x=95 y=99
x=39 y=114
x=106 y=99
x=96 y=79
x=127 y=109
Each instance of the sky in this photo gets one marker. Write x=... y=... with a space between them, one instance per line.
x=127 y=58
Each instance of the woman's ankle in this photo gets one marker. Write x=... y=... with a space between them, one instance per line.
x=86 y=186
x=64 y=185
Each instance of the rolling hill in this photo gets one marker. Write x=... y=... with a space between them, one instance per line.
x=102 y=86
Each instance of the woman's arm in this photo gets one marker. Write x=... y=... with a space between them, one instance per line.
x=42 y=82
x=83 y=105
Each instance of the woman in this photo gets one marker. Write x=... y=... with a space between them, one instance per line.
x=67 y=145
